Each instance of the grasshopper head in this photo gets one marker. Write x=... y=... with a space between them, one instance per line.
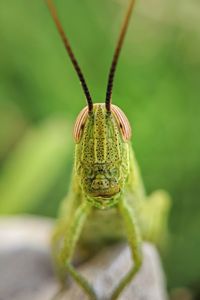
x=101 y=132
x=102 y=153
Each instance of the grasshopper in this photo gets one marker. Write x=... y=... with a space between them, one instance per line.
x=107 y=200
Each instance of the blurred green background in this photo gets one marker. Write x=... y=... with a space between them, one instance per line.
x=157 y=85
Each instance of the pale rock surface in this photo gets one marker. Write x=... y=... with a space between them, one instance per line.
x=26 y=271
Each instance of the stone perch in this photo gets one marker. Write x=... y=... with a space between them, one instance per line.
x=26 y=271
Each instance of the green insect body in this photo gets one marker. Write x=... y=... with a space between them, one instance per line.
x=106 y=202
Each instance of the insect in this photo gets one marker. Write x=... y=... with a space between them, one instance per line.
x=106 y=184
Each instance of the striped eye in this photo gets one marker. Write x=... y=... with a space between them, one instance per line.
x=122 y=122
x=79 y=124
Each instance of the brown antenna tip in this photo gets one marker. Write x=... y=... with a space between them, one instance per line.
x=54 y=15
x=116 y=56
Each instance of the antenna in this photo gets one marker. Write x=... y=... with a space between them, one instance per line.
x=54 y=14
x=116 y=56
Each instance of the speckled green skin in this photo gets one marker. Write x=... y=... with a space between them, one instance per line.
x=106 y=202
x=102 y=160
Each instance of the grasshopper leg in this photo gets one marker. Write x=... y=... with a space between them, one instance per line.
x=60 y=230
x=134 y=238
x=153 y=217
x=66 y=252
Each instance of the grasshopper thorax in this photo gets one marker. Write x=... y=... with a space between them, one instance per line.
x=102 y=153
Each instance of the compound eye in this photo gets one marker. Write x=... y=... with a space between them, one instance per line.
x=79 y=124
x=122 y=121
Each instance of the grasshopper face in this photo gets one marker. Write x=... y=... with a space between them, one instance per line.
x=102 y=153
